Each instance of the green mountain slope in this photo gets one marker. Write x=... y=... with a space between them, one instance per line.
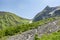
x=8 y=19
x=47 y=22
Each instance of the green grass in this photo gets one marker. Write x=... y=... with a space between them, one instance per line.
x=12 y=30
x=9 y=19
x=11 y=24
x=3 y=38
x=52 y=36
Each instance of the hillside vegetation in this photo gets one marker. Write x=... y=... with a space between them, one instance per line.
x=9 y=31
x=52 y=36
x=8 y=19
x=11 y=24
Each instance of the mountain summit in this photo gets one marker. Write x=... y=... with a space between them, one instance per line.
x=47 y=12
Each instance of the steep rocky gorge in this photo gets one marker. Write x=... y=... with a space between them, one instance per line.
x=29 y=35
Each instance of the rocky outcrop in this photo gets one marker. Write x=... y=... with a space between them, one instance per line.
x=29 y=35
x=47 y=12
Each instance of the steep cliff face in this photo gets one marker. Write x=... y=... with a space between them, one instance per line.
x=47 y=13
x=29 y=35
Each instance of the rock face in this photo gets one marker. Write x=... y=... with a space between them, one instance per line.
x=47 y=12
x=29 y=35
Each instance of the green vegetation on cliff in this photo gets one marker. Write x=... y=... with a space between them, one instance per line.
x=12 y=30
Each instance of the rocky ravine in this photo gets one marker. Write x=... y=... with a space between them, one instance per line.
x=29 y=35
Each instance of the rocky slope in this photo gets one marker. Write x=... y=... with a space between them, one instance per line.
x=47 y=12
x=29 y=35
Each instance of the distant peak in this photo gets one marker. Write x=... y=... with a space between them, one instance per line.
x=47 y=7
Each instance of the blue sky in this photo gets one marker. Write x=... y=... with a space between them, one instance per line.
x=26 y=8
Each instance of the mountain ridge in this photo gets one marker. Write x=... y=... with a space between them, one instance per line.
x=45 y=22
x=45 y=13
x=10 y=19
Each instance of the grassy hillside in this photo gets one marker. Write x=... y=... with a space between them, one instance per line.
x=9 y=31
x=13 y=24
x=8 y=19
x=52 y=36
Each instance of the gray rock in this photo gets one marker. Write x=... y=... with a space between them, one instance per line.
x=29 y=35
